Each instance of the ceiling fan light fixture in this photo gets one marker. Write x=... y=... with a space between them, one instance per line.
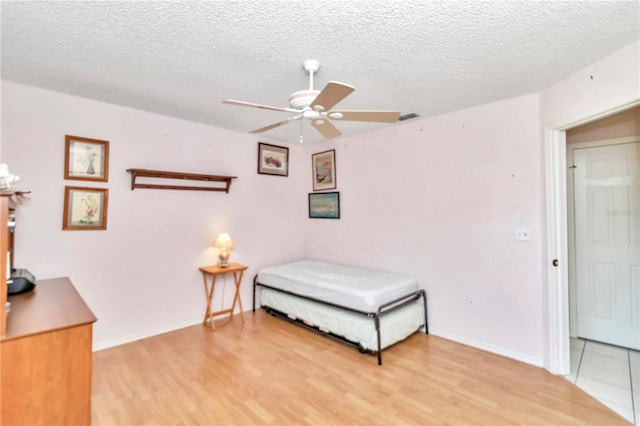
x=316 y=106
x=310 y=115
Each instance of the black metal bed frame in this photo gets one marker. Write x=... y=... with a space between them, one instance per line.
x=383 y=309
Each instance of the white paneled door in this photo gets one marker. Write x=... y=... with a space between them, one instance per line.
x=607 y=234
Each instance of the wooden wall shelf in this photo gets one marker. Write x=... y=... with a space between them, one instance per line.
x=220 y=183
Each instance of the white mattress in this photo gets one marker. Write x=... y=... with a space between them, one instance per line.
x=356 y=288
x=394 y=326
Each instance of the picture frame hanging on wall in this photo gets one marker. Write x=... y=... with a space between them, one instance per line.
x=323 y=166
x=324 y=205
x=273 y=160
x=85 y=208
x=86 y=159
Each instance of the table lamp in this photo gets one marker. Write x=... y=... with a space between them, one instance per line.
x=224 y=244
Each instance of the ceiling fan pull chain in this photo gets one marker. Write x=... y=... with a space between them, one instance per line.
x=301 y=136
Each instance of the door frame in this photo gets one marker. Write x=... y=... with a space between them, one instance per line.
x=573 y=332
x=557 y=354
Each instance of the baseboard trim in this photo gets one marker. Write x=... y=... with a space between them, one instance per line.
x=142 y=335
x=498 y=350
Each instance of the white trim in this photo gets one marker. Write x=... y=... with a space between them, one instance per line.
x=571 y=244
x=558 y=360
x=498 y=350
x=615 y=108
x=557 y=346
x=142 y=335
x=603 y=142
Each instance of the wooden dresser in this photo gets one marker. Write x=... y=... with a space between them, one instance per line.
x=45 y=353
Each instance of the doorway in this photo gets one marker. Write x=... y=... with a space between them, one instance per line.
x=556 y=266
x=604 y=249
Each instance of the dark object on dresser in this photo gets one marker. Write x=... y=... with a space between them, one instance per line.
x=21 y=281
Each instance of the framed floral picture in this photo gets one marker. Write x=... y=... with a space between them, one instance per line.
x=324 y=170
x=273 y=160
x=86 y=159
x=85 y=208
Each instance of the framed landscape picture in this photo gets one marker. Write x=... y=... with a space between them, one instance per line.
x=85 y=208
x=324 y=205
x=273 y=160
x=86 y=159
x=324 y=170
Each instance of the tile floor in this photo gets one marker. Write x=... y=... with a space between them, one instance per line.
x=610 y=374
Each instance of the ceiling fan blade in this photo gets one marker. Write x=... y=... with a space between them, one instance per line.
x=327 y=129
x=272 y=126
x=332 y=93
x=379 y=116
x=252 y=105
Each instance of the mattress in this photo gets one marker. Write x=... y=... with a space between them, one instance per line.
x=360 y=329
x=360 y=289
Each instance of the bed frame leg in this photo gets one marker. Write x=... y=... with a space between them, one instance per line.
x=376 y=320
x=254 y=293
x=426 y=321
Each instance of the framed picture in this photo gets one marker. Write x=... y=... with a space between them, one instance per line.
x=324 y=170
x=324 y=205
x=273 y=160
x=85 y=208
x=86 y=159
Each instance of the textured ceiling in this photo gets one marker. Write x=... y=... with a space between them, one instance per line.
x=184 y=58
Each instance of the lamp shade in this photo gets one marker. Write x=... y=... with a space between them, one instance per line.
x=223 y=241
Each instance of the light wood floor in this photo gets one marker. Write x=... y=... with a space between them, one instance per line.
x=268 y=371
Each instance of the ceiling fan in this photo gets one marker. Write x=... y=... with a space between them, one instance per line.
x=315 y=106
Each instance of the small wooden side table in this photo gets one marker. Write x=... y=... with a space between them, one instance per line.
x=213 y=271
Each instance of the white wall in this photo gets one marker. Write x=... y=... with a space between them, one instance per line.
x=440 y=199
x=605 y=85
x=141 y=276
